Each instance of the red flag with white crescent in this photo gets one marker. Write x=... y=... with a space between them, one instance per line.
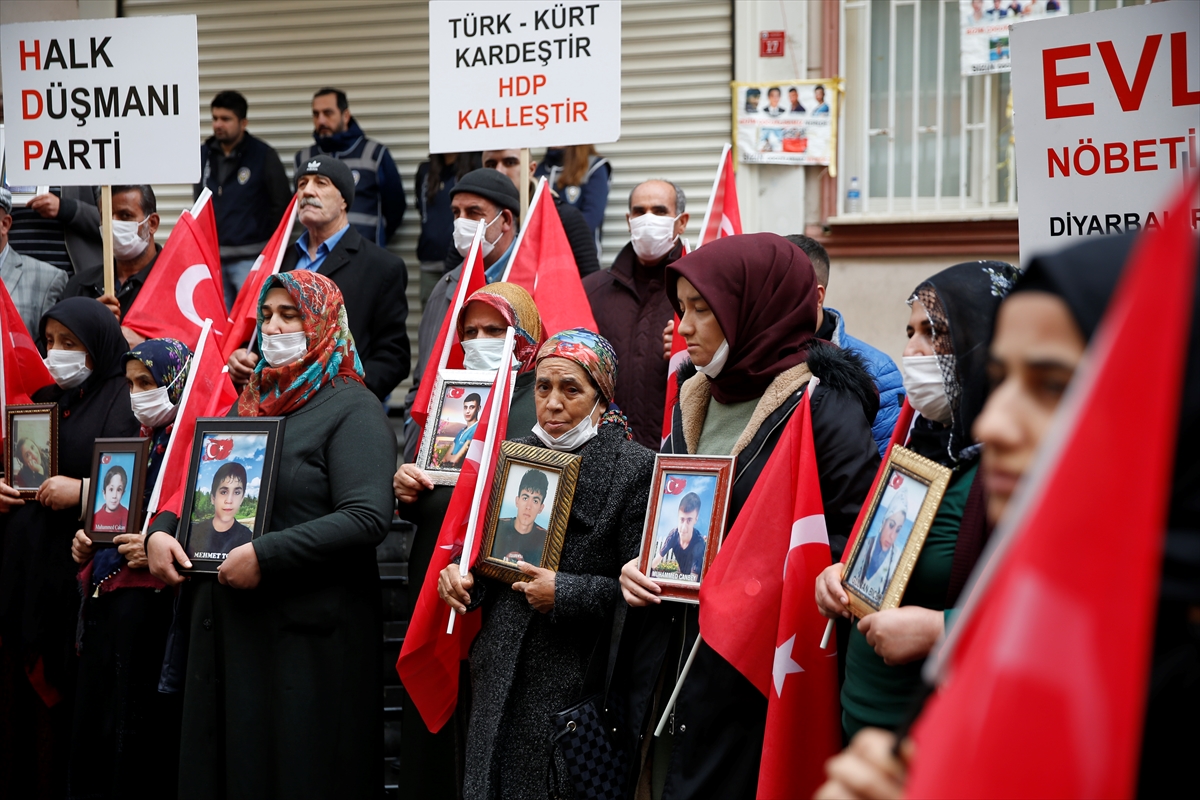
x=244 y=317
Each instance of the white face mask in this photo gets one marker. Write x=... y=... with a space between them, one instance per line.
x=67 y=367
x=926 y=389
x=483 y=353
x=652 y=236
x=281 y=349
x=153 y=408
x=127 y=239
x=464 y=234
x=573 y=439
x=713 y=368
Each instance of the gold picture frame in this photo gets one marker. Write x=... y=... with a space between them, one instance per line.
x=886 y=547
x=529 y=470
x=30 y=446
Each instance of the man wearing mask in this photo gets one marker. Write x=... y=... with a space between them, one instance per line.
x=631 y=306
x=371 y=279
x=135 y=221
x=482 y=197
x=379 y=200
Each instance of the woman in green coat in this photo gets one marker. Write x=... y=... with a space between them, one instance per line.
x=282 y=688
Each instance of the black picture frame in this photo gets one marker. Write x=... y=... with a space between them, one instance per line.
x=116 y=460
x=227 y=451
x=20 y=460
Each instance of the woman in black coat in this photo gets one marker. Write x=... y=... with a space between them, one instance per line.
x=39 y=598
x=748 y=310
x=538 y=637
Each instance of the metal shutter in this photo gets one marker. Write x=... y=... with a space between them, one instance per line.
x=677 y=61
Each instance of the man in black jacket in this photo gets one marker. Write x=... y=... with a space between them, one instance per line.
x=371 y=279
x=249 y=189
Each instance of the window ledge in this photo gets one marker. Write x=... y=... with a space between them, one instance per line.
x=954 y=215
x=918 y=235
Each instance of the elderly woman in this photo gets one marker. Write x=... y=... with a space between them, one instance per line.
x=530 y=657
x=39 y=599
x=123 y=724
x=748 y=311
x=945 y=376
x=282 y=688
x=428 y=761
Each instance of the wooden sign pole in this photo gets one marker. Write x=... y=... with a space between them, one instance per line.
x=524 y=183
x=106 y=237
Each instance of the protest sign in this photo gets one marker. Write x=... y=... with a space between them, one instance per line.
x=523 y=73
x=1106 y=107
x=984 y=30
x=791 y=122
x=101 y=101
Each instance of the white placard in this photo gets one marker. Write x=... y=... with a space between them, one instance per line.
x=984 y=27
x=101 y=101
x=1106 y=111
x=523 y=73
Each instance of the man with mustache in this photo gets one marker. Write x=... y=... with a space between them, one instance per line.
x=371 y=279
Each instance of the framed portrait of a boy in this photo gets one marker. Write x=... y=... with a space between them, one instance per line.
x=886 y=546
x=230 y=487
x=685 y=522
x=30 y=446
x=527 y=510
x=455 y=406
x=114 y=499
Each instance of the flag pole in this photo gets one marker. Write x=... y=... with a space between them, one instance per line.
x=687 y=666
x=464 y=564
x=828 y=633
x=106 y=239
x=205 y=195
x=523 y=183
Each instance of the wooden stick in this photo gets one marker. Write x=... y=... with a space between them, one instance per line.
x=524 y=183
x=687 y=666
x=106 y=238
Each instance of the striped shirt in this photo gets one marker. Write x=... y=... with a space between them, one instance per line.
x=37 y=237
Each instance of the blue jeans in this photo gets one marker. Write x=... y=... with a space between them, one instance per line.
x=233 y=273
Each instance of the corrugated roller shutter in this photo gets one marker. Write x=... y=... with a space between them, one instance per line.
x=675 y=113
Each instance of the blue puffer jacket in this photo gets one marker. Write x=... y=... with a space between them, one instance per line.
x=885 y=373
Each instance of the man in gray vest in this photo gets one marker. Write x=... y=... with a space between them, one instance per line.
x=379 y=200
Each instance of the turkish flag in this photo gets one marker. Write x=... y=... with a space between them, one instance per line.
x=446 y=353
x=675 y=485
x=207 y=393
x=185 y=287
x=1044 y=674
x=21 y=363
x=757 y=612
x=429 y=660
x=244 y=317
x=216 y=449
x=542 y=263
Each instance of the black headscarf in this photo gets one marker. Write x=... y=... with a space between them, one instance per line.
x=961 y=302
x=97 y=329
x=763 y=292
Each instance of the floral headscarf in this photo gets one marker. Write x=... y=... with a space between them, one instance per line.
x=518 y=310
x=595 y=354
x=276 y=391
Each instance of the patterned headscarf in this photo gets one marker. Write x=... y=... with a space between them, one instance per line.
x=518 y=310
x=595 y=354
x=276 y=391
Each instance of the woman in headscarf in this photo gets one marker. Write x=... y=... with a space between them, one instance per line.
x=529 y=659
x=282 y=685
x=126 y=731
x=945 y=377
x=748 y=311
x=429 y=762
x=39 y=598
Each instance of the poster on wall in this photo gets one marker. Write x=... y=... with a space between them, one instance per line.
x=789 y=122
x=985 y=28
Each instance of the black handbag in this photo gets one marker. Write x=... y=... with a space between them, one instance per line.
x=585 y=736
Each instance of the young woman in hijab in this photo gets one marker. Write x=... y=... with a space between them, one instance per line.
x=282 y=687
x=529 y=659
x=39 y=598
x=748 y=310
x=429 y=762
x=945 y=377
x=126 y=731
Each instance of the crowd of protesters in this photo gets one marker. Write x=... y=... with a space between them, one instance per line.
x=119 y=677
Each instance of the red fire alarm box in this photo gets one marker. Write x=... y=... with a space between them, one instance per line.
x=771 y=44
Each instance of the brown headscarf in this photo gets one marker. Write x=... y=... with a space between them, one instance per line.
x=763 y=292
x=518 y=310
